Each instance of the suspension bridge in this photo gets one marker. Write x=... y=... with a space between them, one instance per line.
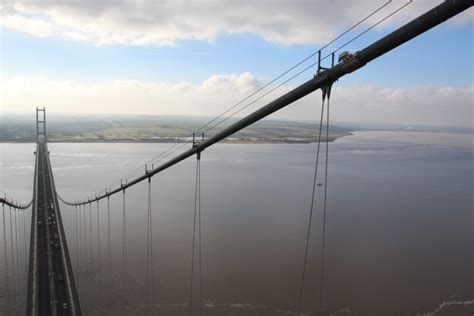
x=51 y=285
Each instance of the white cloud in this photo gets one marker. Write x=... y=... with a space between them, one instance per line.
x=165 y=22
x=446 y=106
x=437 y=106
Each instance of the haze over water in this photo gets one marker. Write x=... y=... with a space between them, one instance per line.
x=399 y=225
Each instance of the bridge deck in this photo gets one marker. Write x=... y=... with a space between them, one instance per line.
x=52 y=286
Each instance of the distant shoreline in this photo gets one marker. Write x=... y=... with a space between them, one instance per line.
x=309 y=141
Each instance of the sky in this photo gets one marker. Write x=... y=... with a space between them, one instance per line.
x=201 y=57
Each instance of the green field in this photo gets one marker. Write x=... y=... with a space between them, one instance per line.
x=155 y=129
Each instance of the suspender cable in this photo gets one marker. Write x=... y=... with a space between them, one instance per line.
x=308 y=231
x=149 y=251
x=13 y=257
x=5 y=257
x=90 y=237
x=18 y=250
x=78 y=242
x=124 y=254
x=71 y=222
x=72 y=215
x=194 y=239
x=24 y=259
x=147 y=248
x=84 y=249
x=109 y=253
x=19 y=255
x=324 y=208
x=20 y=259
x=22 y=250
x=25 y=256
x=200 y=243
x=98 y=249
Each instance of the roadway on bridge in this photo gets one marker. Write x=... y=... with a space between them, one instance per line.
x=56 y=294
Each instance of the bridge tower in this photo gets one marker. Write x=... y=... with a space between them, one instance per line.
x=40 y=123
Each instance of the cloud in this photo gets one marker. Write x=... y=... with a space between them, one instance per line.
x=165 y=22
x=441 y=106
x=431 y=105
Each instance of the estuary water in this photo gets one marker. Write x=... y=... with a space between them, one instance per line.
x=399 y=226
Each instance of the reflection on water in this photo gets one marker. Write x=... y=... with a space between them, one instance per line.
x=399 y=226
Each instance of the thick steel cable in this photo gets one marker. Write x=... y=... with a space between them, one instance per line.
x=170 y=150
x=260 y=97
x=293 y=67
x=324 y=213
x=124 y=253
x=196 y=132
x=194 y=239
x=368 y=29
x=8 y=200
x=308 y=231
x=323 y=58
x=109 y=256
x=158 y=157
x=5 y=257
x=272 y=81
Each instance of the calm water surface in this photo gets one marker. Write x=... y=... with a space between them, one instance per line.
x=399 y=235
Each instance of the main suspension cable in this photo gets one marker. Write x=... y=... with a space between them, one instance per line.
x=292 y=68
x=174 y=147
x=323 y=58
x=196 y=132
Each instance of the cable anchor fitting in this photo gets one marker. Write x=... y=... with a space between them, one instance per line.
x=196 y=145
x=326 y=89
x=122 y=185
